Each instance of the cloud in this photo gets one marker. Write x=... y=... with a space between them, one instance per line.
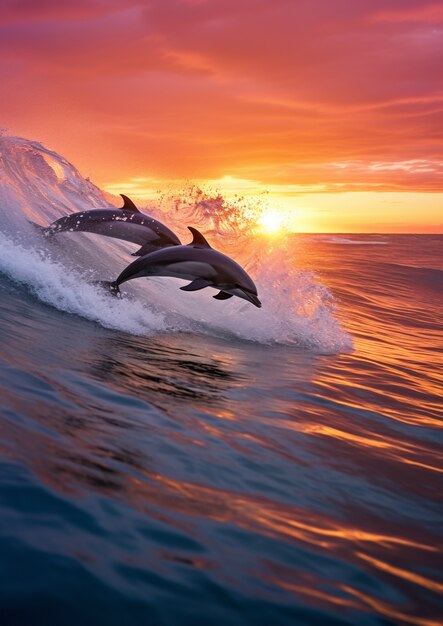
x=275 y=92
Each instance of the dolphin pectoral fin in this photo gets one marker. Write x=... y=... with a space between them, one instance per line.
x=198 y=240
x=128 y=205
x=151 y=246
x=196 y=285
x=145 y=249
x=222 y=295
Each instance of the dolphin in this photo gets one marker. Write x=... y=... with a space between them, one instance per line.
x=126 y=223
x=197 y=262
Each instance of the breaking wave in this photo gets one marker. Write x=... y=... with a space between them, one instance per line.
x=38 y=184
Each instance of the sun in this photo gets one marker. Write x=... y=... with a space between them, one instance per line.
x=271 y=222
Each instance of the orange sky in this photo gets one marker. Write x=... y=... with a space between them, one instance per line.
x=332 y=107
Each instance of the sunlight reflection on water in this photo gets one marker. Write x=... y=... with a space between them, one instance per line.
x=180 y=477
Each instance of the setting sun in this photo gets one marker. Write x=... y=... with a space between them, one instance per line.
x=271 y=222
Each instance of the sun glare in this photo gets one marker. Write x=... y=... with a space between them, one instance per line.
x=271 y=222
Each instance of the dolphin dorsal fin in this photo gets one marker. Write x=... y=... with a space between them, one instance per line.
x=128 y=205
x=198 y=239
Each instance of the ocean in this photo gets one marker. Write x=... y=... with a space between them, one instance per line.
x=169 y=459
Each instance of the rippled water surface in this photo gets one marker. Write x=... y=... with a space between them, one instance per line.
x=187 y=479
x=162 y=467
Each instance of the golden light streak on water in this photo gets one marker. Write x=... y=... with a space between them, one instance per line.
x=250 y=513
x=385 y=609
x=396 y=571
x=311 y=592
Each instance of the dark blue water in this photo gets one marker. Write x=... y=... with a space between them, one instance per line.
x=202 y=478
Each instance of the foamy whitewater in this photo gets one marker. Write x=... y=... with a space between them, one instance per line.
x=173 y=460
x=41 y=186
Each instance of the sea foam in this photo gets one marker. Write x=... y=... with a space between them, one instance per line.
x=39 y=185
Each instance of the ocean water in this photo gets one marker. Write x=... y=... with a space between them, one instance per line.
x=170 y=459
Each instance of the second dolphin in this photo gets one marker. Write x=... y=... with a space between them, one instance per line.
x=126 y=223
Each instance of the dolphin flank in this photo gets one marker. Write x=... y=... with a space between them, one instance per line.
x=126 y=223
x=198 y=263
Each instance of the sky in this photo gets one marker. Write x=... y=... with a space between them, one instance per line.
x=329 y=109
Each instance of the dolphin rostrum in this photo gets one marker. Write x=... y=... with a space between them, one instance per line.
x=197 y=262
x=126 y=223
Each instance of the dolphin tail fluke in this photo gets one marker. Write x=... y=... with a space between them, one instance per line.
x=110 y=286
x=43 y=230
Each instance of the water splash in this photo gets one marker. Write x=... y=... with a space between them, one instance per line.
x=40 y=185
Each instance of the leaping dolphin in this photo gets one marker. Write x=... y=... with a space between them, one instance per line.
x=197 y=262
x=126 y=223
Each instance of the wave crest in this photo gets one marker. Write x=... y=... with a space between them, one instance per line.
x=40 y=185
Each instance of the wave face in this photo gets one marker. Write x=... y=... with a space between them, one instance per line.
x=169 y=459
x=40 y=185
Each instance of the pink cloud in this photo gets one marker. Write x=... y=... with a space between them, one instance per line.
x=275 y=91
x=431 y=12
